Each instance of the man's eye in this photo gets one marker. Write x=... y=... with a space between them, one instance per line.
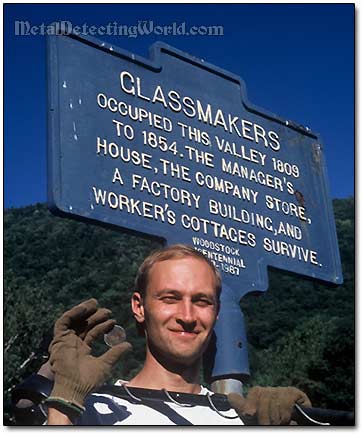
x=203 y=302
x=169 y=299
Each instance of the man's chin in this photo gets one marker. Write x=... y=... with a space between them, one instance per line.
x=180 y=356
x=184 y=358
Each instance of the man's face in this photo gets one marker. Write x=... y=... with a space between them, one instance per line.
x=180 y=309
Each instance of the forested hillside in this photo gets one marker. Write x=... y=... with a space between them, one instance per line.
x=300 y=332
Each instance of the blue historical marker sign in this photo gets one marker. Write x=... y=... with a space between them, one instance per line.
x=170 y=147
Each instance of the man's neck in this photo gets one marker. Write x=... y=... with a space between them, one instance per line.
x=158 y=375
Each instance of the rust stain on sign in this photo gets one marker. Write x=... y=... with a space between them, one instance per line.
x=299 y=197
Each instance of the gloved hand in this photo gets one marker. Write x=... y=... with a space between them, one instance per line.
x=270 y=405
x=80 y=327
x=76 y=371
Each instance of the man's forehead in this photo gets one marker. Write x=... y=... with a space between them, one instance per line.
x=183 y=262
x=180 y=270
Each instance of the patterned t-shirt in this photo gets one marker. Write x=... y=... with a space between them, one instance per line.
x=104 y=409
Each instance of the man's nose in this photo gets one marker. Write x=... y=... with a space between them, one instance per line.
x=186 y=315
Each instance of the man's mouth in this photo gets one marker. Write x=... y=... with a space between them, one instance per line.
x=185 y=333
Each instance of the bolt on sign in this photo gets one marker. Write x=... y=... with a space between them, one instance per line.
x=170 y=147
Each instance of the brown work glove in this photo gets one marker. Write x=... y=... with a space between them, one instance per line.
x=81 y=328
x=269 y=405
x=76 y=371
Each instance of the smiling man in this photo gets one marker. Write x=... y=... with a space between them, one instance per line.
x=175 y=304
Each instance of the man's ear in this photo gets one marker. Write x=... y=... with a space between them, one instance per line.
x=137 y=306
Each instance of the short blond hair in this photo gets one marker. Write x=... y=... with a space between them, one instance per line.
x=175 y=251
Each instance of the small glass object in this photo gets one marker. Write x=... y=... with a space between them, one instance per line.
x=114 y=337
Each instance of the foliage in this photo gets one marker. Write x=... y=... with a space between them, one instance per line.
x=300 y=332
x=317 y=357
x=50 y=265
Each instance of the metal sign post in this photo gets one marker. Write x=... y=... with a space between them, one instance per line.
x=170 y=147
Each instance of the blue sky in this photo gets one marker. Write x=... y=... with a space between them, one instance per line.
x=297 y=61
